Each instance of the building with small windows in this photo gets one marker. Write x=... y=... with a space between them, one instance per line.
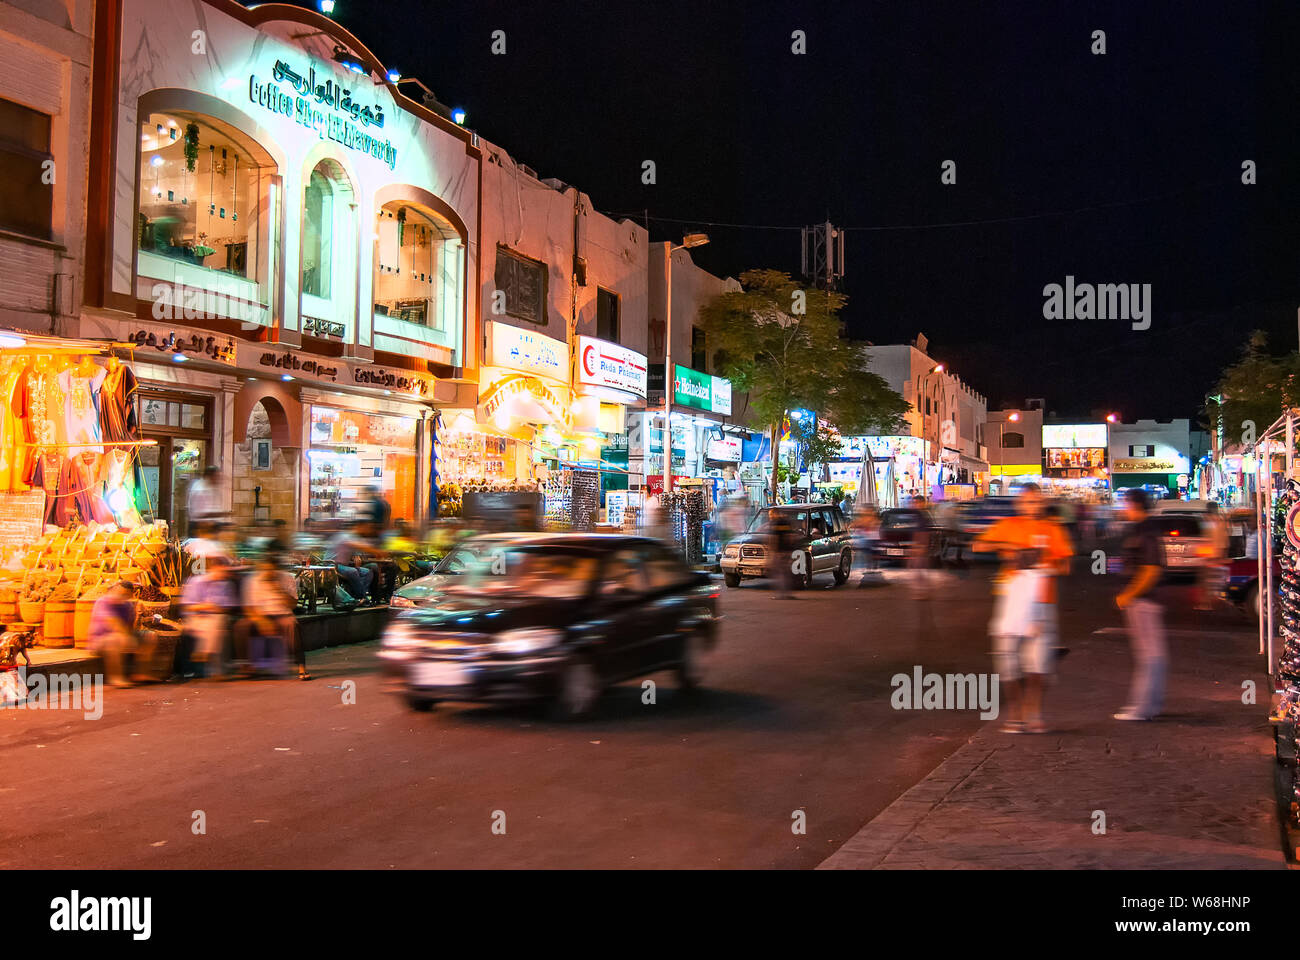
x=45 y=62
x=1015 y=443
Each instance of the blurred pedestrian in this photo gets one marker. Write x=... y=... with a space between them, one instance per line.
x=1143 y=610
x=1025 y=627
x=1213 y=571
x=203 y=503
x=375 y=509
x=269 y=596
x=783 y=540
x=209 y=603
x=112 y=631
x=865 y=528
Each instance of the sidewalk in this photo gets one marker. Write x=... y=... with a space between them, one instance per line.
x=1192 y=790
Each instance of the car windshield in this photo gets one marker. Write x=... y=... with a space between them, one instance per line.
x=900 y=518
x=562 y=574
x=763 y=520
x=466 y=556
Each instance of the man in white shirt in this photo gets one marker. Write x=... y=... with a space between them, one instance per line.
x=203 y=501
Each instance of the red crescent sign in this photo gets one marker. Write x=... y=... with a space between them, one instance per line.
x=586 y=360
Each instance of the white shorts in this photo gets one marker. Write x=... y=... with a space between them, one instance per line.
x=1034 y=653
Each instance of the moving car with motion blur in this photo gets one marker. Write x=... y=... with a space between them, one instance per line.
x=899 y=527
x=556 y=618
x=466 y=557
x=820 y=533
x=1187 y=541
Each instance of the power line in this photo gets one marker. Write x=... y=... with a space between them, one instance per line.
x=993 y=221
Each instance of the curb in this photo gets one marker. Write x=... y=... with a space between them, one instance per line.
x=871 y=846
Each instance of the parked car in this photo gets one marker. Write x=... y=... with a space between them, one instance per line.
x=471 y=554
x=899 y=526
x=559 y=618
x=820 y=531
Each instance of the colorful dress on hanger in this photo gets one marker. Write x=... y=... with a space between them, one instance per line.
x=117 y=419
x=40 y=405
x=13 y=437
x=114 y=469
x=47 y=470
x=81 y=409
x=72 y=490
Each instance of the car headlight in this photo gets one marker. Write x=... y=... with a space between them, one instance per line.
x=400 y=635
x=397 y=600
x=731 y=550
x=527 y=640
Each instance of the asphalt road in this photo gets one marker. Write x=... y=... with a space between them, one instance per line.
x=797 y=718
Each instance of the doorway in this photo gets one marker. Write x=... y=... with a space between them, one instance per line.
x=181 y=426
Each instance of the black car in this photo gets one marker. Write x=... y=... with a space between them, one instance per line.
x=557 y=617
x=900 y=527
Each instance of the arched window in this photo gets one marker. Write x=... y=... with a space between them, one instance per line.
x=419 y=266
x=317 y=231
x=1012 y=440
x=203 y=185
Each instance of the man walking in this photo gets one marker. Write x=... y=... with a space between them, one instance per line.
x=1034 y=551
x=1143 y=613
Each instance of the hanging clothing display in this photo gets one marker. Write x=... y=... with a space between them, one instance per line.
x=41 y=404
x=117 y=419
x=80 y=386
x=13 y=445
x=114 y=470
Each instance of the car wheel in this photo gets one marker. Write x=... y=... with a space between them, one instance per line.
x=692 y=669
x=846 y=565
x=578 y=692
x=420 y=704
x=731 y=579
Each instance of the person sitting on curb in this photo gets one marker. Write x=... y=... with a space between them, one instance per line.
x=269 y=597
x=208 y=601
x=360 y=581
x=112 y=631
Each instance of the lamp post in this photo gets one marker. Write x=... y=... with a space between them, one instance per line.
x=1002 y=451
x=1110 y=471
x=688 y=241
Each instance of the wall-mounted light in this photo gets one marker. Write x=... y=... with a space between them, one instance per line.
x=458 y=116
x=179 y=358
x=286 y=376
x=394 y=76
x=327 y=7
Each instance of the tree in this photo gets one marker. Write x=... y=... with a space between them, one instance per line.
x=785 y=346
x=1253 y=392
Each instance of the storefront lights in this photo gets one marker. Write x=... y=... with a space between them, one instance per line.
x=394 y=76
x=286 y=376
x=11 y=341
x=179 y=358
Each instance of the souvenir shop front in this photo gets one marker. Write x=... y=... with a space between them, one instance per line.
x=901 y=464
x=75 y=513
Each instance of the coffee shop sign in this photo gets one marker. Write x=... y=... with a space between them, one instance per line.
x=221 y=349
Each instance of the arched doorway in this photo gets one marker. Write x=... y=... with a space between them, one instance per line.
x=265 y=475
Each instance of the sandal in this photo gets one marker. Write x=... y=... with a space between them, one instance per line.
x=1012 y=726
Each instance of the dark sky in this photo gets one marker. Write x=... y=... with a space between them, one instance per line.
x=1123 y=168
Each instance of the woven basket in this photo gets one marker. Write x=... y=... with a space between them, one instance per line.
x=32 y=611
x=146 y=609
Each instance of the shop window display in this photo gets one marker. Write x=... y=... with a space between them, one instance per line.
x=352 y=452
x=200 y=194
x=419 y=265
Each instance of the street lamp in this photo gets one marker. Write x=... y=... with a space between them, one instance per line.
x=688 y=241
x=1002 y=451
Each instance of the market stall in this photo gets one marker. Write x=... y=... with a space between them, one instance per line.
x=75 y=517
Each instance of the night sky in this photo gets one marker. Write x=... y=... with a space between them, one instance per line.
x=1122 y=168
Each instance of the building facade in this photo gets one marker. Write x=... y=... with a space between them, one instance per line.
x=1151 y=453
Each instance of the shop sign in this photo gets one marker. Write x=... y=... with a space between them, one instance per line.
x=882 y=448
x=726 y=448
x=691 y=388
x=323 y=328
x=1147 y=465
x=221 y=349
x=517 y=349
x=326 y=108
x=403 y=381
x=1074 y=435
x=289 y=362
x=498 y=393
x=605 y=364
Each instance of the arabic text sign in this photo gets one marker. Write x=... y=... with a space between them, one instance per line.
x=606 y=364
x=528 y=352
x=326 y=108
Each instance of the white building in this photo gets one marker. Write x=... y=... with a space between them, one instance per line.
x=1151 y=452
x=947 y=413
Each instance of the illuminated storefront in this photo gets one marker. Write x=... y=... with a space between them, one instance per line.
x=900 y=464
x=1075 y=457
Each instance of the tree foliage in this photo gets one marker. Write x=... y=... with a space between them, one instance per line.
x=1253 y=391
x=784 y=345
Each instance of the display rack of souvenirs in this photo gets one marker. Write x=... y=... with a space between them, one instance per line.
x=451 y=494
x=557 y=489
